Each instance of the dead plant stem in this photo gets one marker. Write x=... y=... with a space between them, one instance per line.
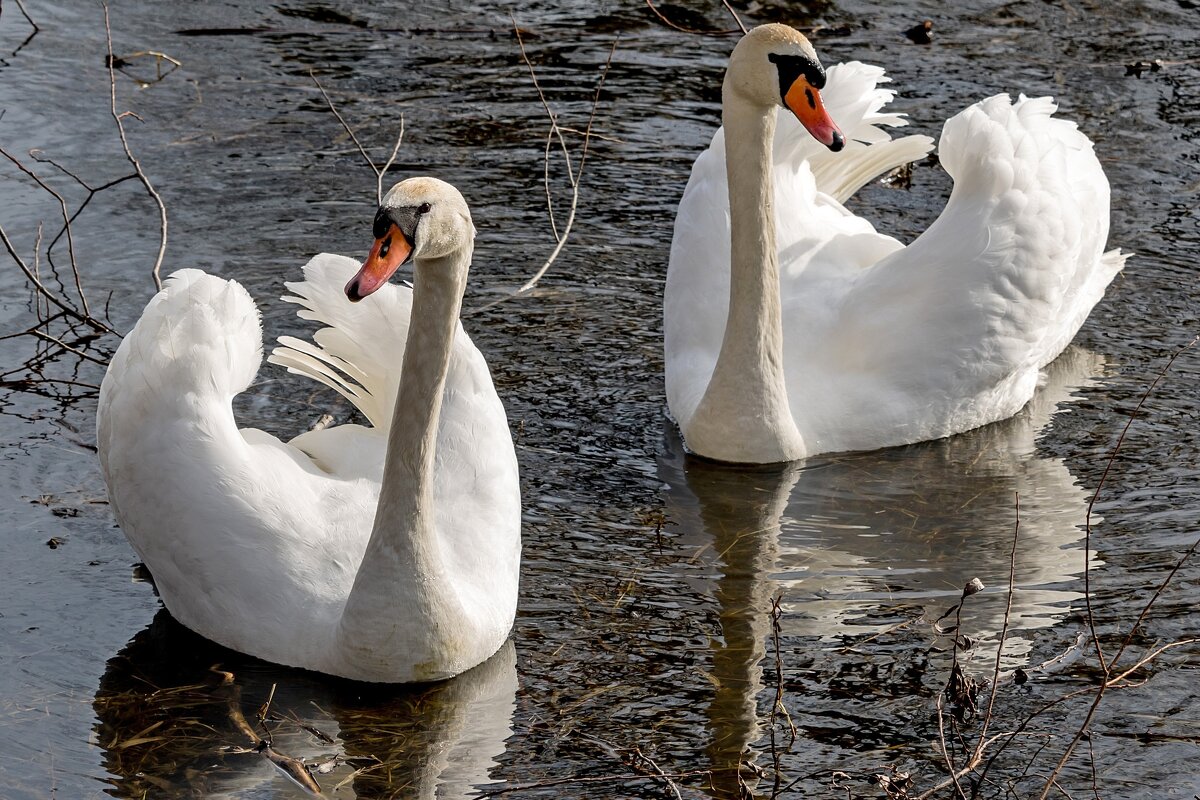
x=380 y=172
x=118 y=118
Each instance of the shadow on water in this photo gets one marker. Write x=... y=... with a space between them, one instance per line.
x=165 y=726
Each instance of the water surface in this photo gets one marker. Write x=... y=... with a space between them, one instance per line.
x=645 y=618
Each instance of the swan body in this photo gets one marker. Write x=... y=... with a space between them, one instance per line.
x=792 y=327
x=386 y=553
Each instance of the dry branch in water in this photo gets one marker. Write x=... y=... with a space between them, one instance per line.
x=66 y=322
x=137 y=167
x=695 y=31
x=29 y=19
x=574 y=173
x=379 y=171
x=1110 y=677
x=293 y=768
x=554 y=136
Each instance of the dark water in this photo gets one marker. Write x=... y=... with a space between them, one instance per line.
x=645 y=620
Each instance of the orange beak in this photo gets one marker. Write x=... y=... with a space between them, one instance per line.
x=805 y=102
x=388 y=254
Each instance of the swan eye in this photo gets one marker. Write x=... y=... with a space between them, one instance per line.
x=423 y=208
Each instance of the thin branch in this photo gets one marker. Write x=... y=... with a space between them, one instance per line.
x=736 y=18
x=155 y=273
x=1087 y=535
x=26 y=382
x=1012 y=576
x=695 y=31
x=1108 y=667
x=955 y=777
x=62 y=204
x=575 y=180
x=388 y=164
x=379 y=173
x=520 y=787
x=777 y=706
x=1157 y=593
x=24 y=13
x=47 y=337
x=1109 y=683
x=574 y=172
x=292 y=767
x=1146 y=659
x=941 y=721
x=41 y=288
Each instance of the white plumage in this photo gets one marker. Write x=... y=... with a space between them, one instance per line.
x=884 y=344
x=256 y=543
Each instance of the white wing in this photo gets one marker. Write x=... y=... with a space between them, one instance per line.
x=949 y=333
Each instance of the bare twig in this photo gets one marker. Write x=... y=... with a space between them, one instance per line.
x=1108 y=667
x=24 y=13
x=62 y=204
x=736 y=18
x=1157 y=593
x=575 y=176
x=586 y=779
x=966 y=769
x=658 y=772
x=941 y=721
x=1087 y=535
x=574 y=172
x=1012 y=575
x=43 y=290
x=379 y=171
x=292 y=767
x=777 y=706
x=118 y=118
x=120 y=62
x=29 y=19
x=695 y=31
x=82 y=354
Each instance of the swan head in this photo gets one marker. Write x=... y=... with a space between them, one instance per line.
x=419 y=218
x=776 y=65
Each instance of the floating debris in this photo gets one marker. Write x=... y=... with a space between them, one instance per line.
x=922 y=33
x=1138 y=67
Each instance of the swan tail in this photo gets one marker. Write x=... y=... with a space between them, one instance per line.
x=358 y=353
x=1011 y=268
x=199 y=334
x=169 y=385
x=1081 y=304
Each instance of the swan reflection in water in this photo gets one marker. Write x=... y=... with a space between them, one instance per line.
x=856 y=543
x=165 y=726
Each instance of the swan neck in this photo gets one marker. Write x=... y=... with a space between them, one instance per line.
x=755 y=318
x=404 y=550
x=745 y=406
x=406 y=494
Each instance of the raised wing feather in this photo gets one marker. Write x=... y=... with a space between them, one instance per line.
x=360 y=350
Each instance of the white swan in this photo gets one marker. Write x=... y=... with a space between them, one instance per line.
x=294 y=552
x=820 y=334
